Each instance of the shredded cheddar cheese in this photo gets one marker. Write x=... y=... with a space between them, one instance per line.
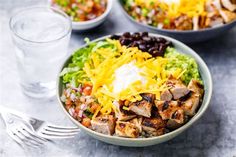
x=175 y=8
x=101 y=70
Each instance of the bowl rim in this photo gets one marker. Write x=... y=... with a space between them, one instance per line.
x=104 y=14
x=232 y=23
x=170 y=134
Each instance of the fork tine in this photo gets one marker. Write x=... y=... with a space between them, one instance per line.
x=31 y=136
x=15 y=138
x=49 y=132
x=61 y=130
x=26 y=140
x=62 y=127
x=54 y=136
x=34 y=134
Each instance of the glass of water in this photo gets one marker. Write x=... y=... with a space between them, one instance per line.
x=41 y=36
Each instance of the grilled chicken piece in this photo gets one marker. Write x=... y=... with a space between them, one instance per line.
x=228 y=5
x=148 y=97
x=195 y=23
x=170 y=110
x=166 y=95
x=142 y=108
x=154 y=126
x=104 y=124
x=126 y=129
x=213 y=19
x=183 y=23
x=122 y=114
x=191 y=102
x=213 y=5
x=172 y=124
x=177 y=88
x=217 y=4
x=196 y=87
x=137 y=122
x=228 y=16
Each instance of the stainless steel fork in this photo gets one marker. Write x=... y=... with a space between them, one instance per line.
x=44 y=129
x=20 y=131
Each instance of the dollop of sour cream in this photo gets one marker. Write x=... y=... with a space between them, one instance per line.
x=126 y=75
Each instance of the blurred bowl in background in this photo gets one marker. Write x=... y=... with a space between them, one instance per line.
x=86 y=25
x=188 y=36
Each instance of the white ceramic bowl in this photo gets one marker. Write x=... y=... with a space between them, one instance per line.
x=85 y=25
x=141 y=142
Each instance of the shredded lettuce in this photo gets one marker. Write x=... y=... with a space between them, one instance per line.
x=74 y=71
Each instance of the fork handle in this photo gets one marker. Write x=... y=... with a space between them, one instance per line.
x=6 y=118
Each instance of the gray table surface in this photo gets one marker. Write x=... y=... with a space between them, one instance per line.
x=213 y=135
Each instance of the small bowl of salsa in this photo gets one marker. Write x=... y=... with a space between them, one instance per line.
x=85 y=14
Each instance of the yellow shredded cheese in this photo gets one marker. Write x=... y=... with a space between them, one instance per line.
x=103 y=64
x=175 y=8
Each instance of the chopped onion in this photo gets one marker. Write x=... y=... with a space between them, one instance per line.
x=71 y=111
x=81 y=113
x=72 y=96
x=83 y=107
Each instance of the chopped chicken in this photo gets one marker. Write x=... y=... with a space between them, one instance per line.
x=196 y=87
x=122 y=114
x=104 y=124
x=228 y=16
x=217 y=4
x=166 y=95
x=213 y=5
x=172 y=124
x=154 y=126
x=191 y=105
x=191 y=102
x=195 y=23
x=126 y=129
x=170 y=110
x=142 y=108
x=137 y=122
x=148 y=97
x=228 y=5
x=214 y=19
x=183 y=23
x=177 y=88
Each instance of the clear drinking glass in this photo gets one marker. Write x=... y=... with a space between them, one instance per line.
x=41 y=36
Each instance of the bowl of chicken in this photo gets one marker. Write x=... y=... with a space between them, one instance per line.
x=186 y=20
x=134 y=89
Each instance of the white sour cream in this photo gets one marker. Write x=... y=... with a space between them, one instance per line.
x=126 y=75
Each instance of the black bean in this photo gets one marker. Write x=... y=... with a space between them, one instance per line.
x=148 y=46
x=139 y=42
x=165 y=105
x=115 y=37
x=136 y=36
x=134 y=44
x=168 y=43
x=156 y=53
x=142 y=47
x=156 y=46
x=126 y=34
x=125 y=41
x=161 y=40
x=147 y=39
x=144 y=34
